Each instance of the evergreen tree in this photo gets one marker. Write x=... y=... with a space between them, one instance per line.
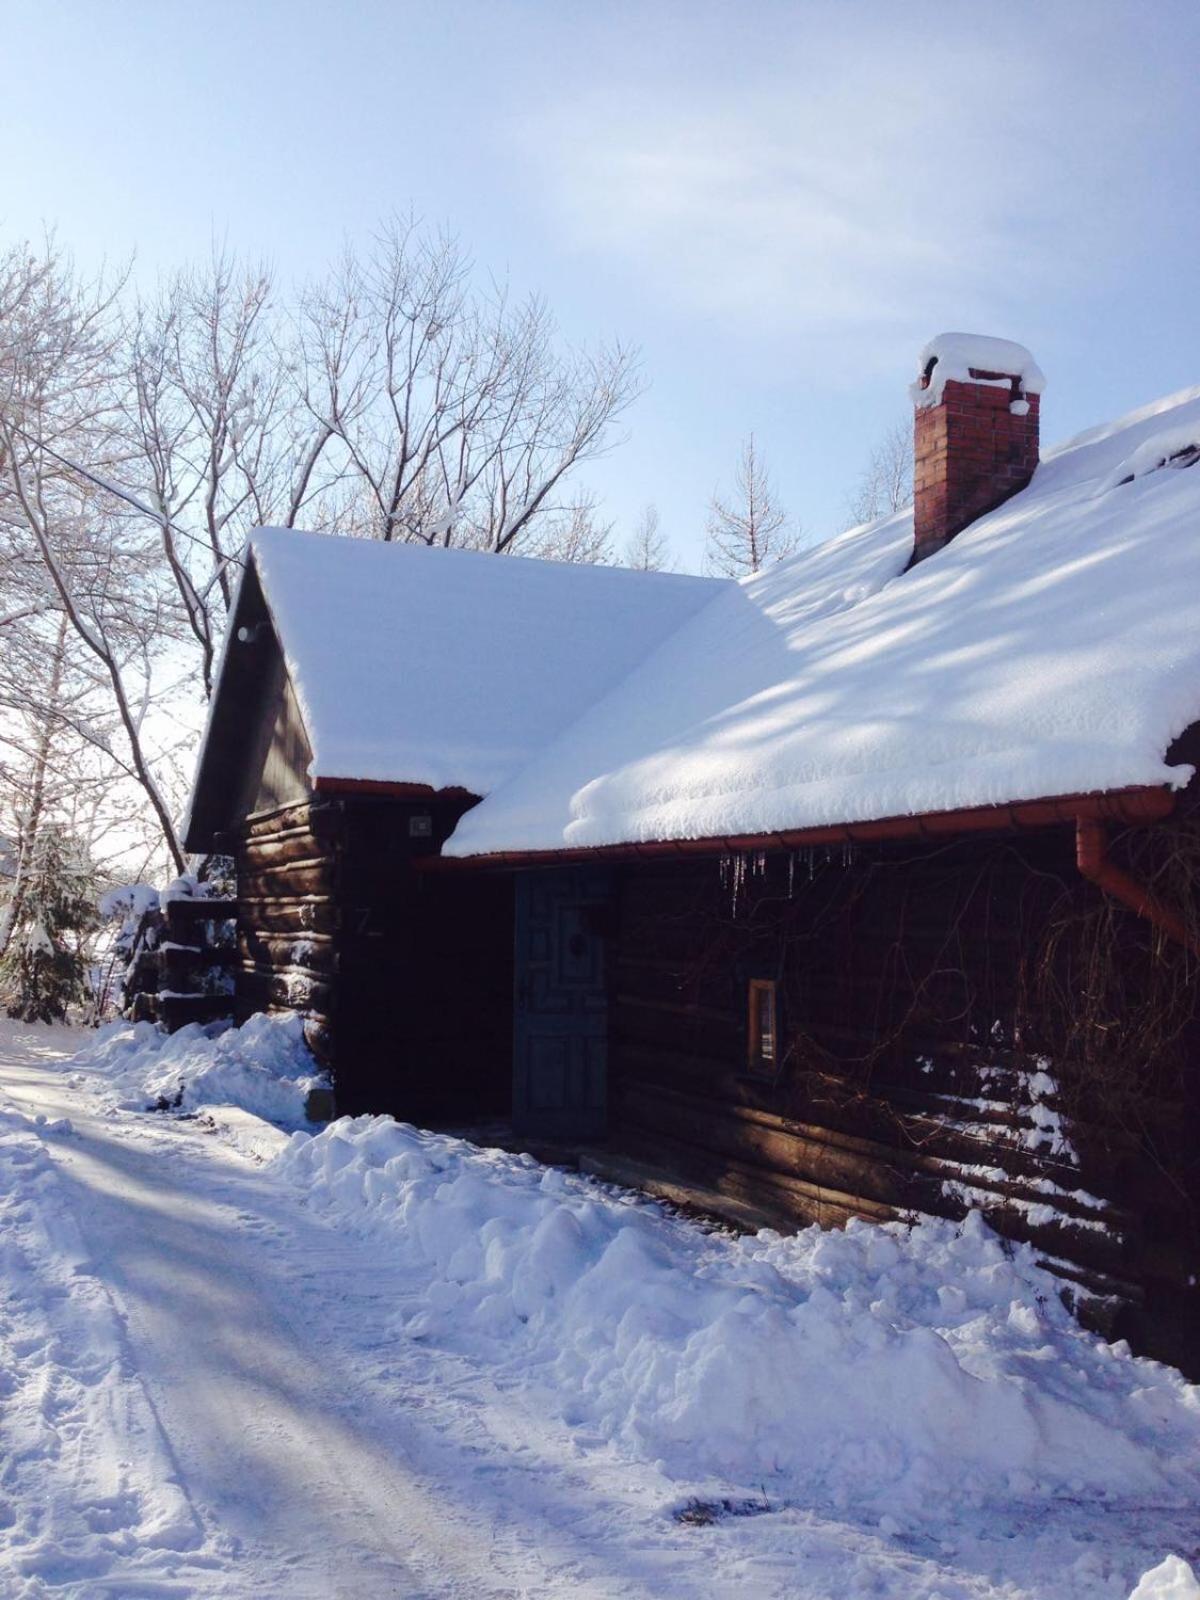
x=44 y=968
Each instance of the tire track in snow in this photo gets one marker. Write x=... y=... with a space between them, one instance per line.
x=300 y=1492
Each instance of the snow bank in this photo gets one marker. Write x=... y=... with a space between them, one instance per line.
x=955 y=356
x=1173 y=1579
x=264 y=1066
x=875 y=1368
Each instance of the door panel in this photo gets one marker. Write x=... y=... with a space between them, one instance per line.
x=560 y=1036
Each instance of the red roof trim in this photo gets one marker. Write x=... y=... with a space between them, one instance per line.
x=1118 y=805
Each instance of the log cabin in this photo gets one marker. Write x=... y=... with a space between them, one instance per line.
x=864 y=886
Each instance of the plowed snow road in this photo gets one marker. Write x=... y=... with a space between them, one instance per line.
x=256 y=1435
x=207 y=1390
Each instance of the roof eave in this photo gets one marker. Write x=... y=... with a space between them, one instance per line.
x=385 y=788
x=1130 y=806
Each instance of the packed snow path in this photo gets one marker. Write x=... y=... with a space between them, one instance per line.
x=205 y=1396
x=249 y=1330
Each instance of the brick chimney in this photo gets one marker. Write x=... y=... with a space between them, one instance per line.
x=975 y=433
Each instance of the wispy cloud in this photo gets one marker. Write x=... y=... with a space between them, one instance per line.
x=856 y=192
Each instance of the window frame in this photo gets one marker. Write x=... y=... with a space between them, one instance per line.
x=759 y=1062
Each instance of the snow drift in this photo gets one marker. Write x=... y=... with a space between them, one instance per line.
x=265 y=1067
x=875 y=1368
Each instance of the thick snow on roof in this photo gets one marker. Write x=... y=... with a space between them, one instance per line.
x=450 y=667
x=1052 y=648
x=957 y=355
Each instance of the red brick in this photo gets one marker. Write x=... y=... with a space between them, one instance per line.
x=970 y=454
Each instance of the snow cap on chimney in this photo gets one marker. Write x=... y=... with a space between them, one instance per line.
x=976 y=432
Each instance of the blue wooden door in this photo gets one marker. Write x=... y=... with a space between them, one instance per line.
x=560 y=1034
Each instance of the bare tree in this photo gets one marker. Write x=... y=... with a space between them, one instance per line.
x=886 y=483
x=647 y=549
x=142 y=439
x=573 y=534
x=94 y=568
x=748 y=531
x=459 y=413
x=28 y=815
x=216 y=438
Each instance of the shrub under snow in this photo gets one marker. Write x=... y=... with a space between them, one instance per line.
x=875 y=1367
x=263 y=1066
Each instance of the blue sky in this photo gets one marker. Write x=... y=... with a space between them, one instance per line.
x=777 y=202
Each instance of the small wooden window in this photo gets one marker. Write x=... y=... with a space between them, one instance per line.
x=763 y=1034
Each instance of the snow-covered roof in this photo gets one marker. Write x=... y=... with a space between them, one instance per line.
x=1053 y=648
x=452 y=667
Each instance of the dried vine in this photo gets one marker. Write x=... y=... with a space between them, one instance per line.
x=997 y=951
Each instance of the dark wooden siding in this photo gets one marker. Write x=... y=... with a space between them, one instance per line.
x=256 y=753
x=274 y=772
x=426 y=972
x=405 y=979
x=289 y=917
x=912 y=1079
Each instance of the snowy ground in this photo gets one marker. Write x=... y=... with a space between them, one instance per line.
x=362 y=1365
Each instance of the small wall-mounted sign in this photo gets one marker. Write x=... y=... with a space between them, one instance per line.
x=420 y=827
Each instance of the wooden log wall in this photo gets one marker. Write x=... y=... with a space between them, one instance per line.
x=182 y=965
x=288 y=915
x=405 y=981
x=907 y=1084
x=426 y=972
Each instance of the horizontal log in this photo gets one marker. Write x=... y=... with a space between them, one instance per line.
x=1082 y=1249
x=183 y=915
x=808 y=1157
x=1100 y=1302
x=791 y=1199
x=648 y=1178
x=320 y=1038
x=796 y=1202
x=319 y=913
x=290 y=988
x=316 y=876
x=646 y=1047
x=176 y=959
x=786 y=1142
x=270 y=853
x=303 y=951
x=313 y=814
x=176 y=1011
